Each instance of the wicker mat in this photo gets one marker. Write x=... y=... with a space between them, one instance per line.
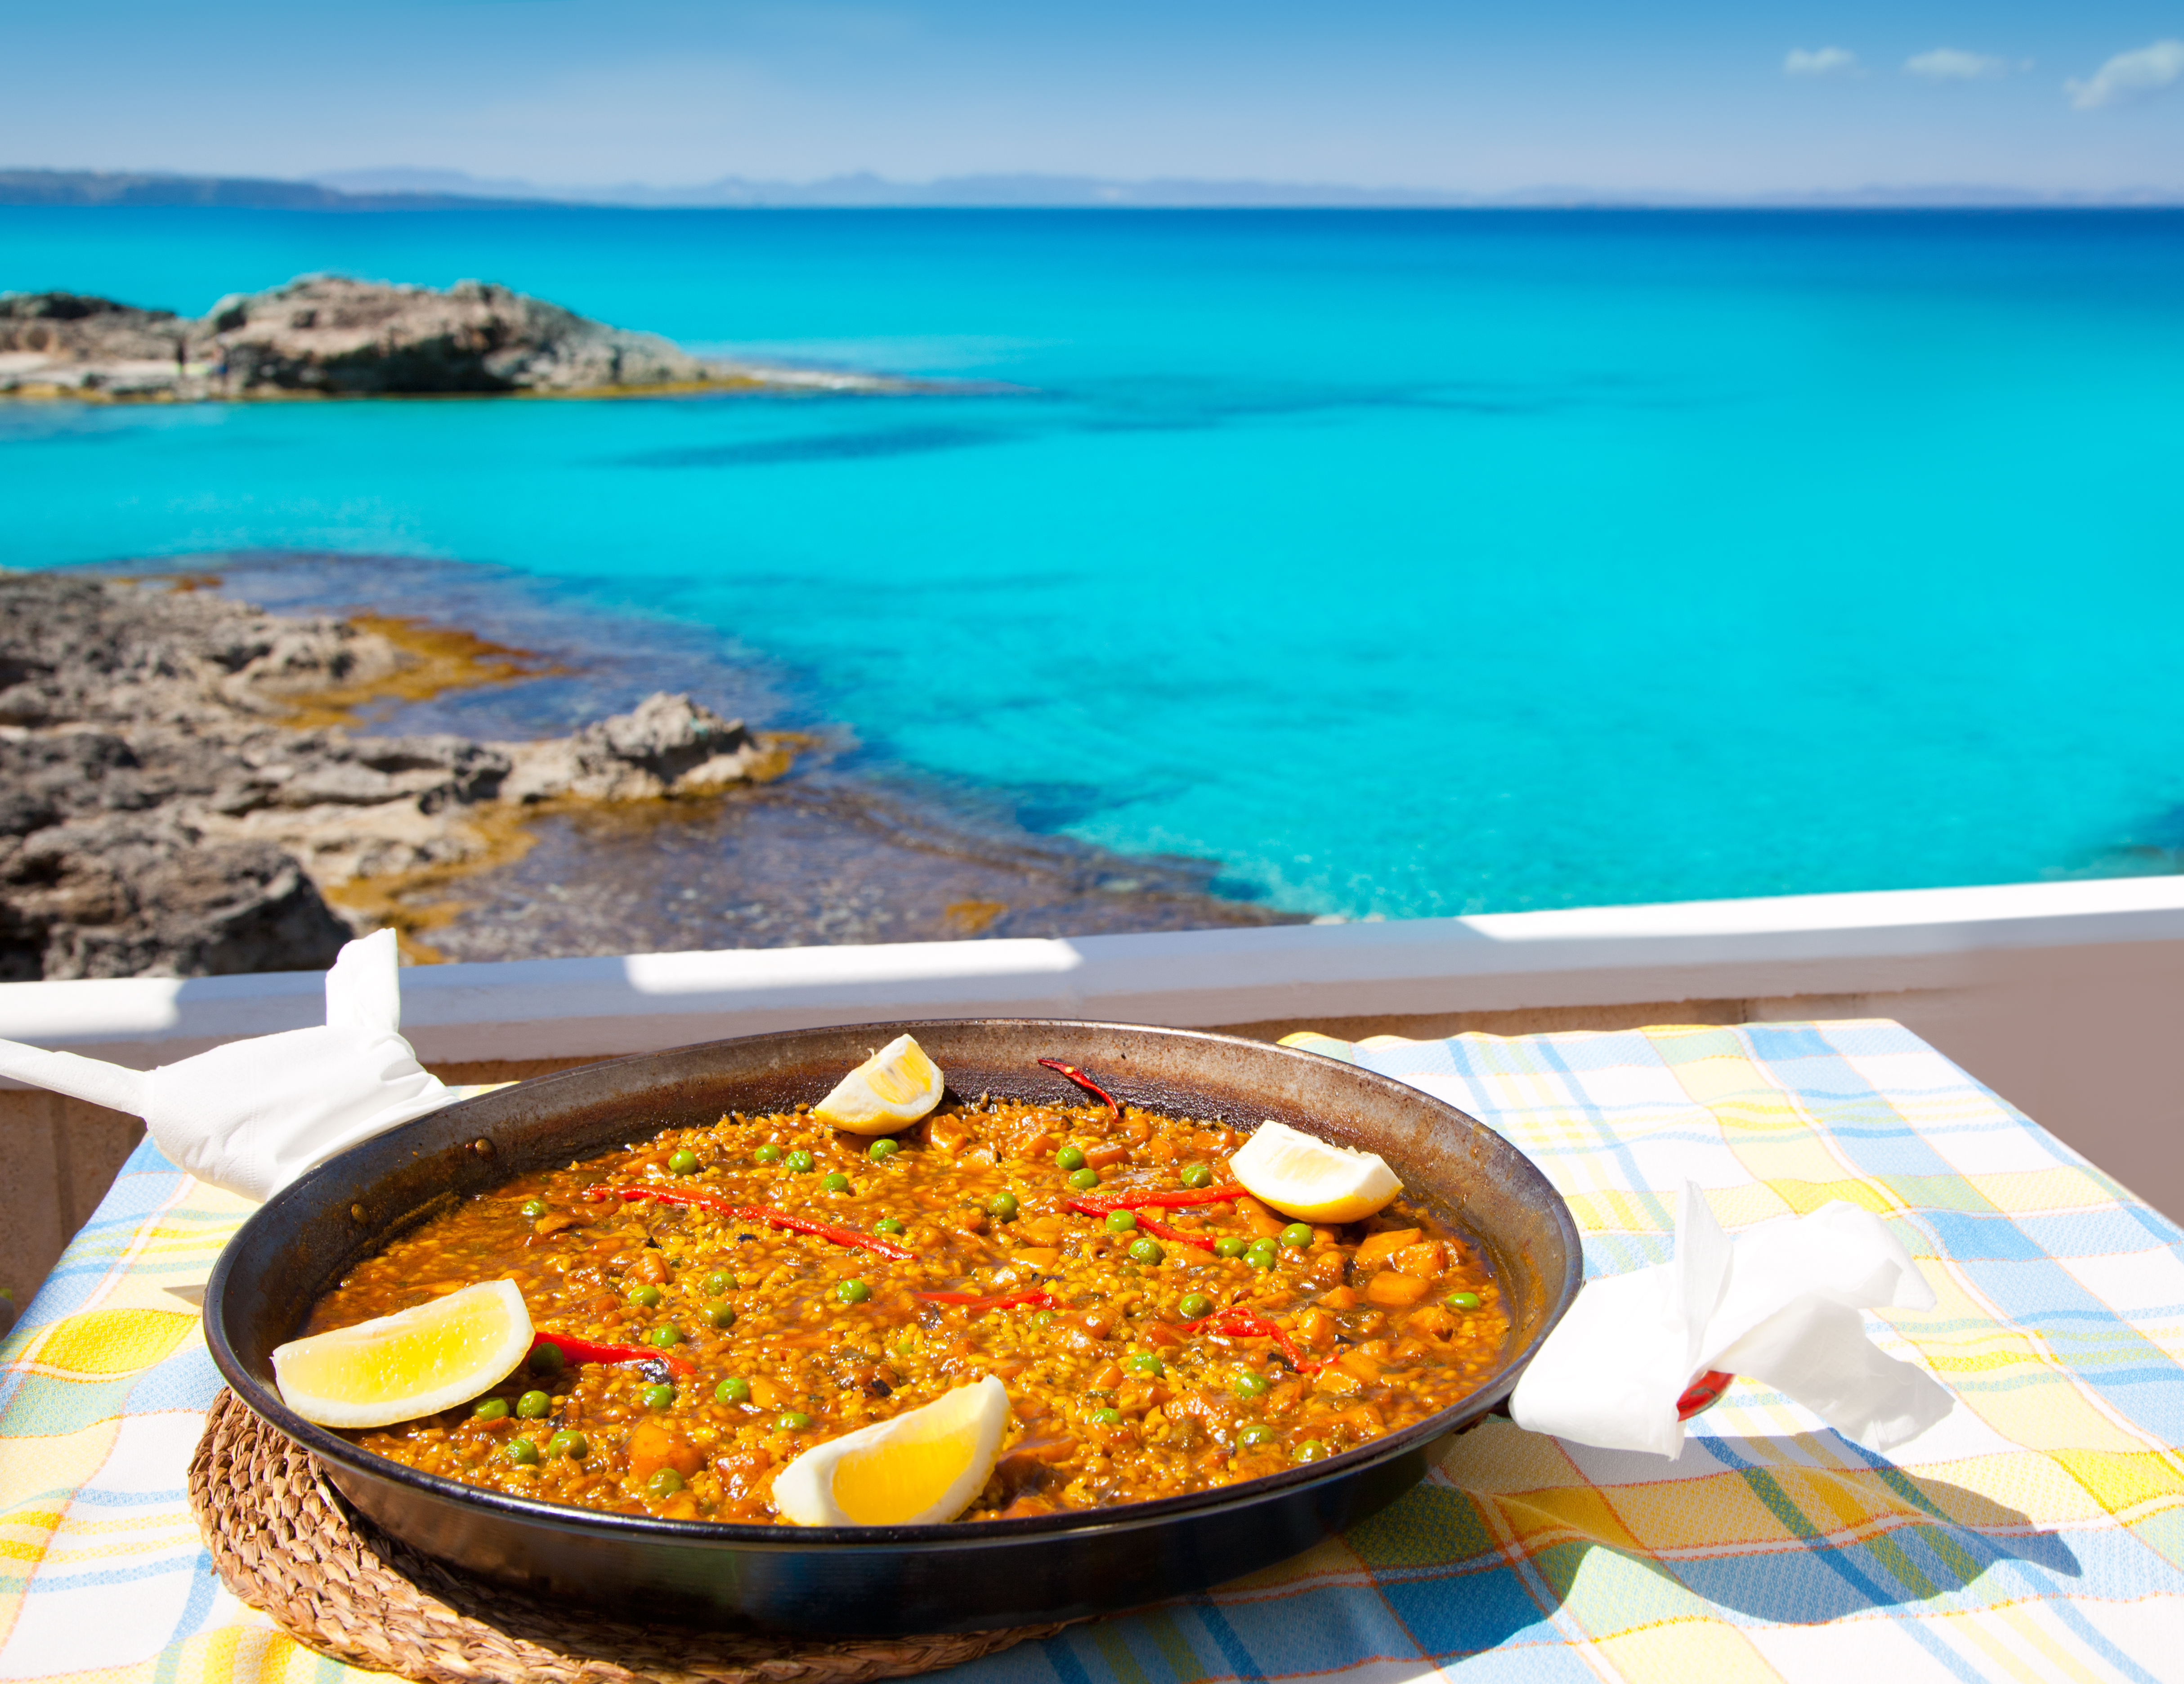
x=284 y=1544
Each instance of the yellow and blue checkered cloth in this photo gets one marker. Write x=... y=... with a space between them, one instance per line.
x=2036 y=1533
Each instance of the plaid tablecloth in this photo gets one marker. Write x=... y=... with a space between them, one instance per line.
x=2036 y=1533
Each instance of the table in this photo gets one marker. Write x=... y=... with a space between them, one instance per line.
x=2037 y=1532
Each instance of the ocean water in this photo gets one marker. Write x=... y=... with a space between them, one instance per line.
x=1404 y=564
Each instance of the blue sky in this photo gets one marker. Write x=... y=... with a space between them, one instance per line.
x=1452 y=94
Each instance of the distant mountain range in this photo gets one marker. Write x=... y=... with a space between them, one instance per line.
x=406 y=189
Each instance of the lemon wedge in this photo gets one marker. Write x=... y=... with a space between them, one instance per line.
x=886 y=1093
x=1308 y=1179
x=914 y=1470
x=413 y=1363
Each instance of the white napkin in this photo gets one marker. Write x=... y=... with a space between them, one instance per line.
x=1779 y=1303
x=253 y=1115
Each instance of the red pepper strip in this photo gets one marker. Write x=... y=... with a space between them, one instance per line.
x=1240 y=1323
x=1086 y=1083
x=762 y=1214
x=1703 y=1393
x=1175 y=1198
x=972 y=1301
x=584 y=1351
x=1086 y=1207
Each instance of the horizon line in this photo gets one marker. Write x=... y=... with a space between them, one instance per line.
x=407 y=188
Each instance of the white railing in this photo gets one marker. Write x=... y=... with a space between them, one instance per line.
x=2063 y=996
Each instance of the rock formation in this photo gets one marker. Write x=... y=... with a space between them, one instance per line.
x=158 y=817
x=325 y=336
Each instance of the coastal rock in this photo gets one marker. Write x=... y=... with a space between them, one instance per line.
x=158 y=817
x=329 y=335
x=324 y=333
x=130 y=897
x=77 y=650
x=665 y=745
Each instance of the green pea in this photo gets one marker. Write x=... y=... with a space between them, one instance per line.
x=1311 y=1450
x=883 y=1149
x=664 y=1334
x=768 y=1153
x=716 y=1285
x=547 y=1358
x=645 y=1297
x=733 y=1391
x=792 y=1421
x=1069 y=1158
x=573 y=1445
x=491 y=1409
x=665 y=1483
x=534 y=1406
x=1461 y=1301
x=721 y=1315
x=886 y=1225
x=1194 y=1306
x=658 y=1396
x=1002 y=1207
x=1262 y=1254
x=1042 y=1319
x=1297 y=1235
x=1083 y=1180
x=523 y=1452
x=1107 y=1417
x=1147 y=1252
x=799 y=1162
x=852 y=1291
x=1145 y=1363
x=1121 y=1222
x=1257 y=1433
x=1228 y=1245
x=683 y=1161
x=1251 y=1385
x=836 y=1183
x=535 y=1208
x=1197 y=1175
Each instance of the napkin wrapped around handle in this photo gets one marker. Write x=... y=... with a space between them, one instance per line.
x=255 y=1115
x=1780 y=1303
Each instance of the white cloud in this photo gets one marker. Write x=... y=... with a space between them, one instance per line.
x=1821 y=61
x=1954 y=64
x=2129 y=76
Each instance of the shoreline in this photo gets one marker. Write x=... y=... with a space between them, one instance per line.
x=194 y=786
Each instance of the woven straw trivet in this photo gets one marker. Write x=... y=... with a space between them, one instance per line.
x=284 y=1544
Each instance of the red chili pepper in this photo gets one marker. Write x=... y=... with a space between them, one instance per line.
x=1239 y=1323
x=587 y=1351
x=1703 y=1393
x=1174 y=1198
x=762 y=1214
x=1004 y=1301
x=1087 y=1207
x=1086 y=1083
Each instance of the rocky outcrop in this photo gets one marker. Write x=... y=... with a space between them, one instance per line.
x=157 y=815
x=326 y=336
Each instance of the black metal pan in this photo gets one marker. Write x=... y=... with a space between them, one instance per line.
x=881 y=1580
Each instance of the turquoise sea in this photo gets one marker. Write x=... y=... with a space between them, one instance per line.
x=1407 y=564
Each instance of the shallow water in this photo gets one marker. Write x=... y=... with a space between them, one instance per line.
x=1403 y=563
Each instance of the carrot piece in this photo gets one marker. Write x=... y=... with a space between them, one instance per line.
x=1392 y=1290
x=1379 y=1246
x=1421 y=1260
